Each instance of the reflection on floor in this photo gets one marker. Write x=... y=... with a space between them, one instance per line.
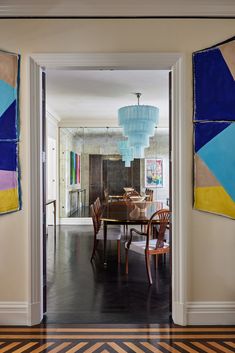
x=81 y=292
x=83 y=211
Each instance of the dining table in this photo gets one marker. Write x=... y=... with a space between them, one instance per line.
x=126 y=213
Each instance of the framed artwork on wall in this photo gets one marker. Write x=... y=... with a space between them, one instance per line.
x=214 y=129
x=10 y=190
x=154 y=173
x=74 y=168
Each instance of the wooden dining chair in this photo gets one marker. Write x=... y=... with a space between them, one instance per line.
x=150 y=246
x=97 y=207
x=130 y=193
x=98 y=212
x=106 y=195
x=149 y=194
x=112 y=234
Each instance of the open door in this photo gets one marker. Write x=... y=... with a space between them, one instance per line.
x=170 y=183
x=44 y=192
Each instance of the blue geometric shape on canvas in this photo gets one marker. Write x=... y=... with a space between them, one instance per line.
x=8 y=155
x=8 y=123
x=204 y=132
x=219 y=156
x=7 y=96
x=214 y=87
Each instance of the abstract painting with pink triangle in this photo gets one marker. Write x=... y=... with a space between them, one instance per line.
x=10 y=199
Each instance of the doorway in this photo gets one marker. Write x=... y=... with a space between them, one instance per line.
x=178 y=270
x=91 y=164
x=109 y=173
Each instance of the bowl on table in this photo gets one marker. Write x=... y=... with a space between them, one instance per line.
x=128 y=189
x=137 y=198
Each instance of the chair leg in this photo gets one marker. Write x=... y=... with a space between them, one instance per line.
x=126 y=231
x=126 y=261
x=147 y=260
x=94 y=248
x=119 y=250
x=156 y=261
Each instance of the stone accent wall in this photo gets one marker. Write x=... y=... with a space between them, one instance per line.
x=86 y=141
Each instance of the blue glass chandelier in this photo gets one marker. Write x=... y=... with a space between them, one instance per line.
x=138 y=122
x=126 y=152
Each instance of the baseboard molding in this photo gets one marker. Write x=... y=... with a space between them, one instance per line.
x=76 y=221
x=13 y=313
x=178 y=313
x=34 y=314
x=211 y=313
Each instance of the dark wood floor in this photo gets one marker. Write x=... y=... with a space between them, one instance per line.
x=81 y=292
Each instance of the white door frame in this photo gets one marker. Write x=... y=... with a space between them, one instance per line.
x=118 y=61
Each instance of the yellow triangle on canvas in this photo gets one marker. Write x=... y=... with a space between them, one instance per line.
x=9 y=200
x=214 y=199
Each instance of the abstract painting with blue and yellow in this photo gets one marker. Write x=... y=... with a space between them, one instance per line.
x=214 y=129
x=9 y=133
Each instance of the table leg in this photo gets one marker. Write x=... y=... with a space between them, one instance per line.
x=105 y=241
x=54 y=220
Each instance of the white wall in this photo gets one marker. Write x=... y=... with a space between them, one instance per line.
x=67 y=144
x=211 y=241
x=51 y=164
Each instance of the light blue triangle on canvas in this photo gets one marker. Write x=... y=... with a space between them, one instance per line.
x=219 y=155
x=7 y=96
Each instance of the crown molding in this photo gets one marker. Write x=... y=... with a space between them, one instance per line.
x=50 y=114
x=121 y=8
x=106 y=61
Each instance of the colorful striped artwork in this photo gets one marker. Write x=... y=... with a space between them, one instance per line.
x=74 y=168
x=78 y=169
x=9 y=133
x=214 y=129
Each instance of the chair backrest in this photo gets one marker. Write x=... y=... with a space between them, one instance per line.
x=130 y=193
x=106 y=195
x=95 y=220
x=149 y=192
x=162 y=219
x=97 y=207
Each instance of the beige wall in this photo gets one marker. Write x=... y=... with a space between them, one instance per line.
x=211 y=244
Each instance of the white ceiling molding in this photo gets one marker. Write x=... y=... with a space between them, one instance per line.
x=121 y=8
x=106 y=61
x=88 y=123
x=52 y=114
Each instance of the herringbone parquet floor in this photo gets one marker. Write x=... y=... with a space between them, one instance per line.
x=116 y=339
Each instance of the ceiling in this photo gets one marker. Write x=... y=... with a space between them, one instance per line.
x=88 y=97
x=113 y=8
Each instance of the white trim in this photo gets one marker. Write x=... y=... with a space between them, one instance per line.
x=211 y=313
x=76 y=221
x=13 y=313
x=35 y=234
x=124 y=8
x=117 y=61
x=52 y=118
x=180 y=212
